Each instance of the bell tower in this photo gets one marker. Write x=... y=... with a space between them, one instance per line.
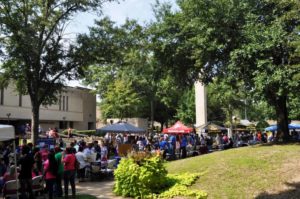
x=201 y=104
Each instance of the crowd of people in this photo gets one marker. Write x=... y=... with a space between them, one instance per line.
x=54 y=165
x=66 y=162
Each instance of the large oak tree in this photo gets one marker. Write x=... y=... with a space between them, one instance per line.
x=34 y=51
x=251 y=41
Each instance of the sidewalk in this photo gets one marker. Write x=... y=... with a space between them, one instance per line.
x=101 y=189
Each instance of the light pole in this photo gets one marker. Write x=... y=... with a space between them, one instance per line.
x=8 y=115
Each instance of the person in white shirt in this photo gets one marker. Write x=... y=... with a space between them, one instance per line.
x=88 y=150
x=82 y=159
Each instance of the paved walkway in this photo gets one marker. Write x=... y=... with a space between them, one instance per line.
x=100 y=189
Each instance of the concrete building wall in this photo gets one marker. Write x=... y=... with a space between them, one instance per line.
x=88 y=113
x=77 y=106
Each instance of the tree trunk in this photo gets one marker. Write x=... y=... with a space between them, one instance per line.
x=35 y=122
x=161 y=126
x=152 y=114
x=282 y=118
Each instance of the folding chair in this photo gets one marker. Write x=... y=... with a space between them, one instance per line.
x=11 y=189
x=95 y=171
x=38 y=185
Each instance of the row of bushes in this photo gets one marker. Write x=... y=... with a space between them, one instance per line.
x=84 y=132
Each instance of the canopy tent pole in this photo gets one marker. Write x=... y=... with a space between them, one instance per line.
x=16 y=170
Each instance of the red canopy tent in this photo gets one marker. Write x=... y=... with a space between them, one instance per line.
x=178 y=128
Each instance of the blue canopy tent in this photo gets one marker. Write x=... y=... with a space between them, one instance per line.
x=274 y=127
x=121 y=127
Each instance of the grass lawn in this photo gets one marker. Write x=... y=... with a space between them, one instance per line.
x=249 y=172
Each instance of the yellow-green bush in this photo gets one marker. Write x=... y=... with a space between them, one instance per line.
x=147 y=178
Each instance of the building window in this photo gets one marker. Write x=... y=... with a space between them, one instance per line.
x=71 y=124
x=67 y=103
x=90 y=125
x=2 y=96
x=59 y=102
x=63 y=124
x=20 y=99
x=64 y=99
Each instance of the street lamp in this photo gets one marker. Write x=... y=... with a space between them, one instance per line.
x=8 y=115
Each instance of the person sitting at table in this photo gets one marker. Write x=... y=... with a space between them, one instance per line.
x=104 y=154
x=82 y=159
x=88 y=150
x=9 y=175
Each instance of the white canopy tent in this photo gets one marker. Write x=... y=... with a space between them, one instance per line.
x=7 y=132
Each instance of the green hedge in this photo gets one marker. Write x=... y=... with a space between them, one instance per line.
x=84 y=132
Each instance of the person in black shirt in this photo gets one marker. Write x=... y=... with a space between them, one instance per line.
x=26 y=163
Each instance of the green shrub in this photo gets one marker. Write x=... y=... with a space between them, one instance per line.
x=144 y=176
x=140 y=179
x=180 y=184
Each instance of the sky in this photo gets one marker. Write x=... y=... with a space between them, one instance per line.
x=141 y=10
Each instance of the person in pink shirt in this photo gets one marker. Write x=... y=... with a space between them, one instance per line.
x=44 y=153
x=69 y=161
x=50 y=170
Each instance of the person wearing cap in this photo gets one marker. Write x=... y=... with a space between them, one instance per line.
x=60 y=172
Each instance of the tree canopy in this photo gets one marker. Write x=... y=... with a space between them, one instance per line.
x=34 y=52
x=253 y=44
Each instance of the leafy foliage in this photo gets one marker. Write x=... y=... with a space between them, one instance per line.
x=141 y=176
x=251 y=45
x=179 y=186
x=84 y=132
x=123 y=54
x=140 y=179
x=34 y=51
x=120 y=100
x=186 y=111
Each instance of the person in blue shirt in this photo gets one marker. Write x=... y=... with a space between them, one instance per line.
x=183 y=145
x=173 y=145
x=163 y=145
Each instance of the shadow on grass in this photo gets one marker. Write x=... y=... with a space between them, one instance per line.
x=280 y=143
x=292 y=193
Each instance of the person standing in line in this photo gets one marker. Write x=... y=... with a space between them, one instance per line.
x=81 y=158
x=183 y=145
x=50 y=171
x=69 y=161
x=60 y=172
x=26 y=163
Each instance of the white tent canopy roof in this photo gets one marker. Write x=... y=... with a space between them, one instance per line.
x=7 y=132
